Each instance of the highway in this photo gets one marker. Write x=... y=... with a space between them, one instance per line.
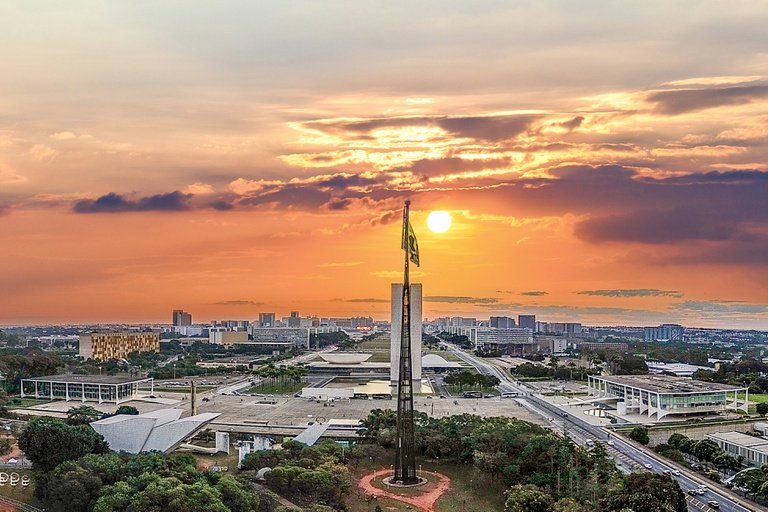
x=624 y=453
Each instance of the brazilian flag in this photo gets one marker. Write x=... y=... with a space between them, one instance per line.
x=410 y=245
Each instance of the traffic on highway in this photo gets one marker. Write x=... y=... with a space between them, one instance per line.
x=700 y=495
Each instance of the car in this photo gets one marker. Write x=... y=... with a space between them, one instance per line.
x=610 y=443
x=666 y=472
x=713 y=504
x=647 y=466
x=13 y=460
x=703 y=487
x=206 y=399
x=676 y=472
x=691 y=492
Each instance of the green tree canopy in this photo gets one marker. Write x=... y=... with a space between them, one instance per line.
x=48 y=442
x=527 y=498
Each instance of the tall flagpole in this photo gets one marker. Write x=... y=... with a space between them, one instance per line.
x=405 y=457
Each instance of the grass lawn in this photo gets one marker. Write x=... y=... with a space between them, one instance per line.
x=378 y=343
x=379 y=357
x=445 y=354
x=270 y=388
x=762 y=398
x=19 y=493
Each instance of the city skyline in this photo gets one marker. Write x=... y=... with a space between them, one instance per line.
x=236 y=161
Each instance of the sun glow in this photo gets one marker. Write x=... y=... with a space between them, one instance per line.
x=439 y=221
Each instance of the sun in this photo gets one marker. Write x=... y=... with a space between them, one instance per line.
x=439 y=221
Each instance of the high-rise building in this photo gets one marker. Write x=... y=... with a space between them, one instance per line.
x=664 y=332
x=181 y=318
x=294 y=320
x=266 y=319
x=512 y=341
x=502 y=322
x=102 y=346
x=397 y=313
x=527 y=322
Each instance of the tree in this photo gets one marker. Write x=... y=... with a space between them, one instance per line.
x=127 y=409
x=5 y=446
x=568 y=505
x=48 y=442
x=646 y=492
x=152 y=492
x=527 y=498
x=762 y=408
x=82 y=415
x=640 y=434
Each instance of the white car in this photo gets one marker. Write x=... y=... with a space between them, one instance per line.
x=676 y=472
x=610 y=443
x=13 y=460
x=647 y=466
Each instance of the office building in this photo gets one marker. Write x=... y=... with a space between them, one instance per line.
x=566 y=328
x=527 y=322
x=514 y=341
x=664 y=332
x=181 y=318
x=415 y=327
x=227 y=338
x=551 y=344
x=502 y=322
x=602 y=345
x=266 y=320
x=658 y=396
x=84 y=388
x=102 y=346
x=460 y=321
x=753 y=449
x=294 y=320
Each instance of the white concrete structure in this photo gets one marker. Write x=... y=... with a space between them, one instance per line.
x=345 y=357
x=678 y=369
x=397 y=313
x=660 y=395
x=515 y=341
x=161 y=430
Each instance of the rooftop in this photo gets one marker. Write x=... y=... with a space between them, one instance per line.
x=740 y=439
x=666 y=383
x=88 y=379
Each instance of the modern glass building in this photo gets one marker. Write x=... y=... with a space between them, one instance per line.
x=86 y=388
x=658 y=396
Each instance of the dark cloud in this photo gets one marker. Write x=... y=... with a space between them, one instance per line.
x=460 y=300
x=371 y=300
x=658 y=226
x=338 y=203
x=222 y=205
x=740 y=176
x=689 y=100
x=343 y=181
x=439 y=166
x=713 y=306
x=238 y=303
x=534 y=293
x=4 y=210
x=115 y=203
x=487 y=128
x=632 y=292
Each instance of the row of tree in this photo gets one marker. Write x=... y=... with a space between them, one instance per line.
x=273 y=375
x=747 y=372
x=470 y=379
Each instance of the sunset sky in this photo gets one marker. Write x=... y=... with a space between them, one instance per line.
x=603 y=162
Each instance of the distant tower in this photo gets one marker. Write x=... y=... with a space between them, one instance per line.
x=181 y=318
x=394 y=347
x=527 y=322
